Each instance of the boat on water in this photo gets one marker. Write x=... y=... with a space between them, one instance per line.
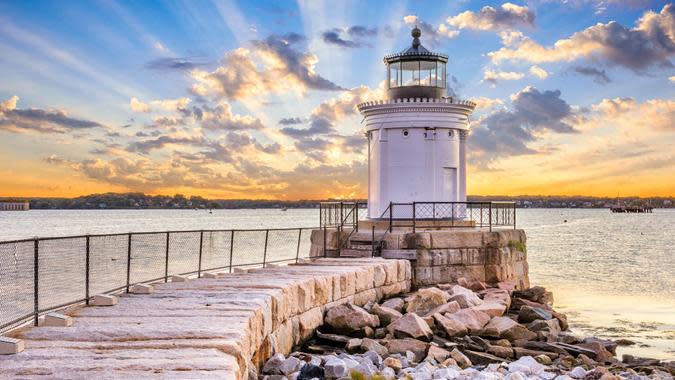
x=631 y=209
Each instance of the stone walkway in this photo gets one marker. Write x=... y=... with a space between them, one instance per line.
x=204 y=328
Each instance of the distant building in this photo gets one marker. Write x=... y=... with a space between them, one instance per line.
x=14 y=205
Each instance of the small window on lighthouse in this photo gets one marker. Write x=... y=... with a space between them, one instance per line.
x=450 y=133
x=405 y=133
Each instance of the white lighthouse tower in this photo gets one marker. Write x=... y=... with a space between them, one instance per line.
x=417 y=136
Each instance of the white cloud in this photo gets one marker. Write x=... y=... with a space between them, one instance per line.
x=506 y=17
x=538 y=72
x=492 y=76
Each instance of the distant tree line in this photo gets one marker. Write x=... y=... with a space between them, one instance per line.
x=179 y=201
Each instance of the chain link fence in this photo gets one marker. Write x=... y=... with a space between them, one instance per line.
x=41 y=275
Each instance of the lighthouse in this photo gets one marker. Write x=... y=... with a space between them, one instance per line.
x=417 y=136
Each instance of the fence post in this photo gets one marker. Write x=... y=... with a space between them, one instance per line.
x=452 y=214
x=201 y=245
x=166 y=259
x=324 y=242
x=297 y=251
x=339 y=243
x=36 y=281
x=267 y=232
x=490 y=216
x=514 y=215
x=391 y=213
x=86 y=271
x=128 y=263
x=372 y=241
x=356 y=216
x=231 y=248
x=414 y=215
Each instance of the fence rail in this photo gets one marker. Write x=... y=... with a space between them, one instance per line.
x=451 y=215
x=340 y=214
x=45 y=274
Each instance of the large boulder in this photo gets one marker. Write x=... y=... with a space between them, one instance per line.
x=411 y=325
x=449 y=327
x=466 y=299
x=396 y=303
x=546 y=330
x=449 y=307
x=348 y=318
x=528 y=314
x=386 y=314
x=497 y=295
x=460 y=358
x=492 y=309
x=474 y=320
x=507 y=328
x=401 y=346
x=536 y=294
x=422 y=301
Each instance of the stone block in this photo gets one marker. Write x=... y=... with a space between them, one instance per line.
x=103 y=300
x=177 y=278
x=209 y=275
x=57 y=320
x=142 y=289
x=392 y=241
x=416 y=240
x=239 y=270
x=10 y=346
x=456 y=239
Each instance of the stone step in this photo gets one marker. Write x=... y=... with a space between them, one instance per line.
x=360 y=247
x=355 y=253
x=408 y=254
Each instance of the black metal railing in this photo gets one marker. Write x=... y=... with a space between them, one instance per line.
x=451 y=215
x=340 y=214
x=45 y=274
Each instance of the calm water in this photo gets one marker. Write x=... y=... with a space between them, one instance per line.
x=613 y=274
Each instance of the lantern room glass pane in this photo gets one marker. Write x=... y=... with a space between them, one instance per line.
x=394 y=74
x=411 y=73
x=441 y=74
x=428 y=73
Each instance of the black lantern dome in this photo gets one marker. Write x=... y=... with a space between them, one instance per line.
x=416 y=72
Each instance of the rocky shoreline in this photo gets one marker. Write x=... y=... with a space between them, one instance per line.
x=467 y=330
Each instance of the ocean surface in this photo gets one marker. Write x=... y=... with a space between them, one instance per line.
x=612 y=274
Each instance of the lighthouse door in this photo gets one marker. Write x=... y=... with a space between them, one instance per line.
x=449 y=185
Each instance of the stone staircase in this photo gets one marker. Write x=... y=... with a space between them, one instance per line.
x=360 y=244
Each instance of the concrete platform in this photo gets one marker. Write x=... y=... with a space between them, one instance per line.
x=204 y=328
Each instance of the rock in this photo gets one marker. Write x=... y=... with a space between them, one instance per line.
x=388 y=373
x=386 y=314
x=577 y=373
x=416 y=348
x=497 y=295
x=449 y=327
x=449 y=362
x=424 y=300
x=275 y=377
x=372 y=345
x=353 y=345
x=624 y=342
x=393 y=363
x=546 y=330
x=527 y=365
x=520 y=352
x=601 y=354
x=273 y=364
x=411 y=325
x=380 y=333
x=394 y=303
x=642 y=362
x=290 y=365
x=568 y=338
x=492 y=309
x=502 y=352
x=460 y=358
x=333 y=339
x=374 y=357
x=608 y=344
x=335 y=368
x=348 y=318
x=448 y=307
x=528 y=314
x=446 y=373
x=509 y=286
x=482 y=358
x=466 y=300
x=507 y=328
x=473 y=320
x=438 y=354
x=501 y=342
x=543 y=359
x=536 y=294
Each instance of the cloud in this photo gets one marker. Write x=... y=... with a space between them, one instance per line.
x=483 y=102
x=290 y=121
x=222 y=118
x=509 y=132
x=599 y=76
x=154 y=105
x=272 y=65
x=672 y=78
x=361 y=36
x=492 y=76
x=628 y=114
x=650 y=42
x=507 y=16
x=173 y=64
x=431 y=35
x=17 y=120
x=538 y=72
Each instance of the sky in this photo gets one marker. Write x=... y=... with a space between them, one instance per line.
x=257 y=99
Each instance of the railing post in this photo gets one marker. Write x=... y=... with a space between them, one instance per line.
x=490 y=216
x=128 y=262
x=414 y=216
x=231 y=248
x=297 y=251
x=201 y=247
x=36 y=280
x=452 y=214
x=372 y=241
x=339 y=243
x=481 y=215
x=356 y=216
x=267 y=232
x=391 y=213
x=341 y=216
x=325 y=254
x=320 y=214
x=514 y=215
x=86 y=271
x=166 y=259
